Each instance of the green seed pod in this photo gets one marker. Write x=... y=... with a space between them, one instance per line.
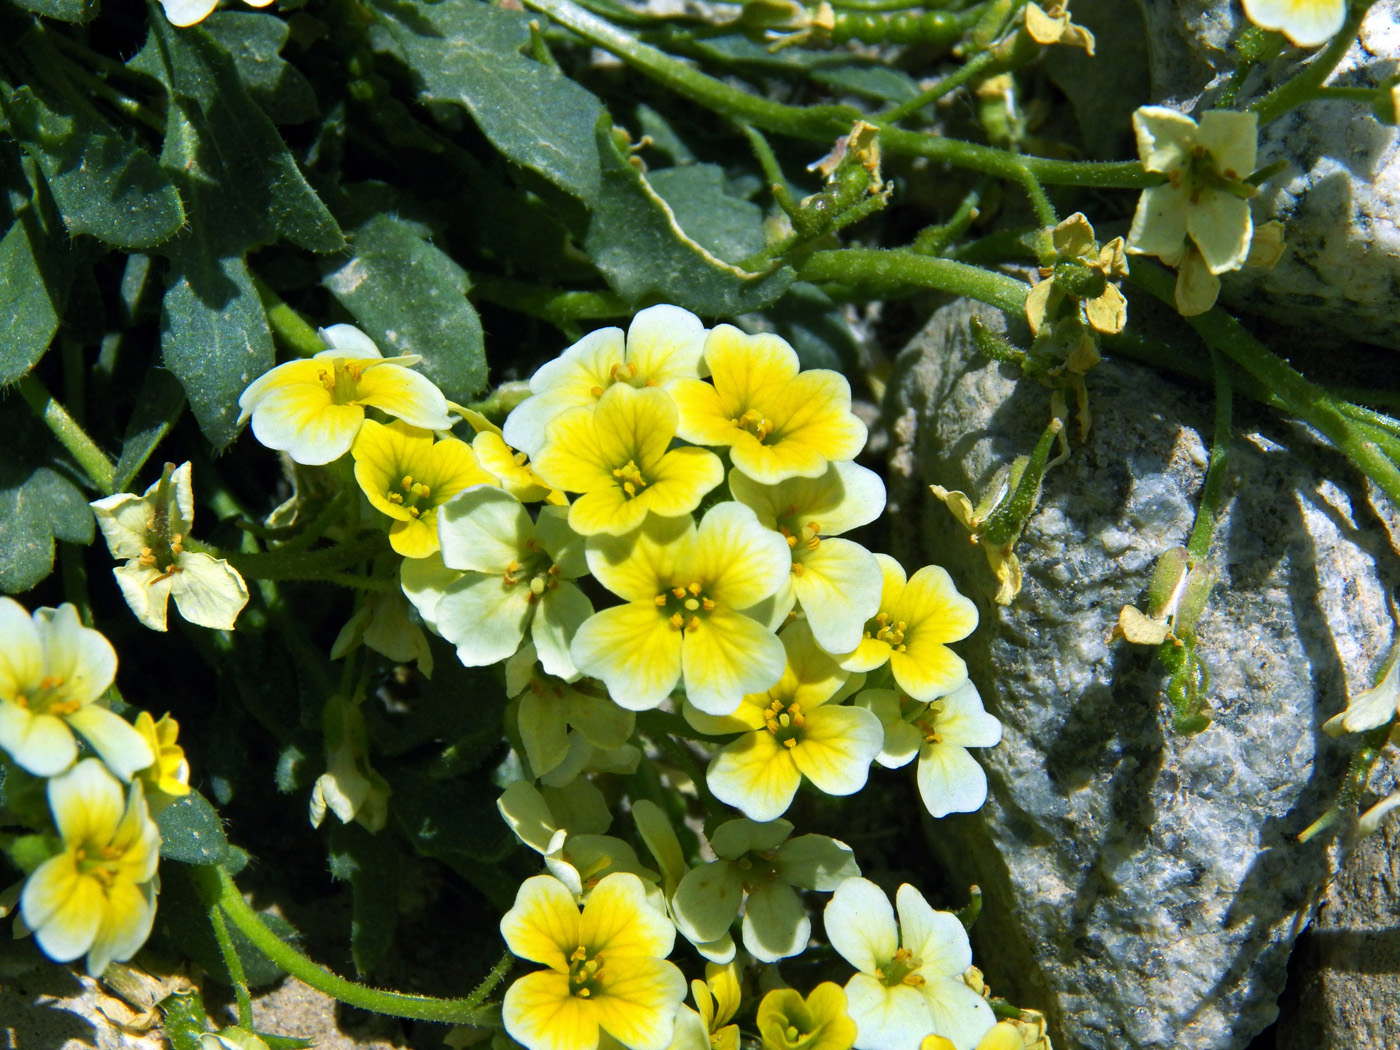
x=933 y=28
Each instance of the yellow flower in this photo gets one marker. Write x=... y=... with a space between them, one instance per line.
x=717 y=999
x=616 y=456
x=663 y=344
x=408 y=475
x=607 y=970
x=795 y=730
x=917 y=616
x=685 y=588
x=313 y=409
x=53 y=670
x=168 y=777
x=1080 y=279
x=1051 y=25
x=788 y=1022
x=778 y=422
x=1307 y=23
x=98 y=895
x=1205 y=201
x=836 y=581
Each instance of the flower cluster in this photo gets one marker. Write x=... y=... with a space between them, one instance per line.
x=91 y=860
x=658 y=531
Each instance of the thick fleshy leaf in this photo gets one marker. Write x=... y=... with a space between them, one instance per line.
x=728 y=227
x=191 y=831
x=707 y=901
x=775 y=923
x=734 y=838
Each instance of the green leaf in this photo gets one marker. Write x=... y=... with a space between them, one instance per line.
x=29 y=300
x=241 y=184
x=101 y=184
x=38 y=501
x=214 y=338
x=186 y=1019
x=158 y=406
x=255 y=41
x=410 y=298
x=63 y=10
x=635 y=239
x=448 y=818
x=191 y=831
x=725 y=225
x=370 y=863
x=468 y=54
x=182 y=929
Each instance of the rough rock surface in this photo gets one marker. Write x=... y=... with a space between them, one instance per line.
x=1141 y=886
x=1349 y=959
x=1340 y=196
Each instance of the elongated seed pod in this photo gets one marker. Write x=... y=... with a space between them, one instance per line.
x=902 y=27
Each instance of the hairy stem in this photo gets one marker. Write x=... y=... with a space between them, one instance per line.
x=71 y=436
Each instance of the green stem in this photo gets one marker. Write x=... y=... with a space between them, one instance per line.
x=1307 y=84
x=1300 y=397
x=288 y=326
x=898 y=268
x=1354 y=782
x=394 y=1004
x=827 y=123
x=328 y=564
x=946 y=86
x=70 y=435
x=1199 y=543
x=232 y=963
x=1044 y=211
x=548 y=304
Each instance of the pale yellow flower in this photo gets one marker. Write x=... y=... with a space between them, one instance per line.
x=53 y=671
x=617 y=455
x=407 y=475
x=778 y=422
x=168 y=777
x=1307 y=23
x=607 y=971
x=97 y=896
x=786 y=1021
x=917 y=617
x=685 y=589
x=313 y=409
x=662 y=345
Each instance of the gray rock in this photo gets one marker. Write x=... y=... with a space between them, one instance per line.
x=1144 y=888
x=1349 y=961
x=1340 y=196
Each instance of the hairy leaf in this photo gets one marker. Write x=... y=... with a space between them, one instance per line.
x=410 y=298
x=191 y=831
x=370 y=863
x=469 y=54
x=637 y=241
x=38 y=501
x=255 y=41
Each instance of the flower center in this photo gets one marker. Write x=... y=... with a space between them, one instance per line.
x=49 y=697
x=927 y=723
x=584 y=973
x=755 y=423
x=684 y=606
x=785 y=721
x=900 y=970
x=758 y=870
x=1199 y=173
x=621 y=372
x=629 y=476
x=537 y=572
x=415 y=496
x=891 y=632
x=98 y=862
x=342 y=379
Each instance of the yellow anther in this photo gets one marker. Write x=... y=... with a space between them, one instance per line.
x=798 y=569
x=520 y=459
x=22 y=701
x=407 y=482
x=148 y=556
x=695 y=589
x=932 y=737
x=415 y=512
x=394 y=497
x=596 y=391
x=632 y=369
x=679 y=592
x=790 y=742
x=422 y=491
x=693 y=624
x=707 y=604
x=754 y=422
x=677 y=621
x=661 y=601
x=913 y=980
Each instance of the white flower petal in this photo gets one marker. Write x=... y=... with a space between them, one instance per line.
x=775 y=923
x=895 y=1018
x=483 y=529
x=147 y=590
x=860 y=925
x=208 y=591
x=116 y=740
x=559 y=614
x=484 y=617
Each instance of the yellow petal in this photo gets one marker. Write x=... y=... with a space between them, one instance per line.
x=755 y=774
x=640 y=566
x=836 y=748
x=638 y=1003
x=634 y=650
x=543 y=924
x=540 y=1012
x=727 y=656
x=933 y=608
x=738 y=561
x=404 y=393
x=618 y=921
